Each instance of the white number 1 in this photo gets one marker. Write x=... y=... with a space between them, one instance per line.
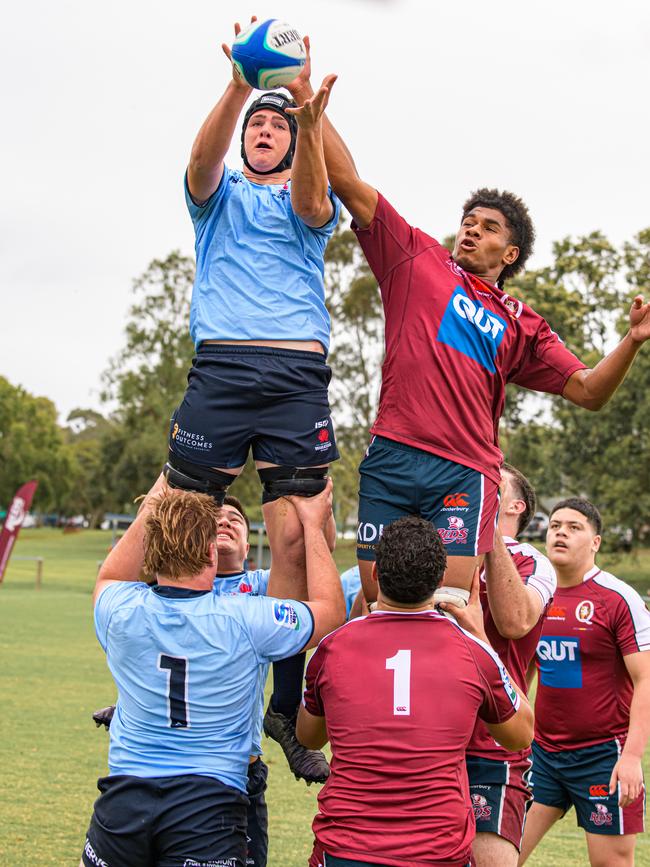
x=401 y=665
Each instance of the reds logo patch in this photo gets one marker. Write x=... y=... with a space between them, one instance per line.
x=456 y=532
x=602 y=816
x=480 y=807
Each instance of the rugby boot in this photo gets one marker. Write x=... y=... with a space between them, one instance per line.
x=104 y=716
x=308 y=765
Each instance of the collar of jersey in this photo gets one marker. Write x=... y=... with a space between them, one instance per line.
x=177 y=592
x=595 y=570
x=241 y=574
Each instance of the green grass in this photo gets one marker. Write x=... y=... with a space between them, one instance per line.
x=53 y=676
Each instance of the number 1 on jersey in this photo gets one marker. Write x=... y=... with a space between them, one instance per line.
x=400 y=664
x=176 y=666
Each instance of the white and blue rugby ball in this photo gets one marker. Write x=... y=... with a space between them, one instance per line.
x=268 y=54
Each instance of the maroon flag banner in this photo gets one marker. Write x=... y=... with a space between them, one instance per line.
x=13 y=522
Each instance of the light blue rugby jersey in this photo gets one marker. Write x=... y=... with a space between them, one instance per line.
x=250 y=583
x=187 y=668
x=351 y=581
x=259 y=268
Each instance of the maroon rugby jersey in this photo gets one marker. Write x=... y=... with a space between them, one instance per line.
x=584 y=690
x=453 y=341
x=400 y=694
x=516 y=654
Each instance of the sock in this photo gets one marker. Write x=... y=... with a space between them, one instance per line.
x=287 y=684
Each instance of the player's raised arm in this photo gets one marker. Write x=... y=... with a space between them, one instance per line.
x=359 y=198
x=515 y=607
x=124 y=563
x=591 y=389
x=309 y=189
x=324 y=591
x=516 y=733
x=211 y=144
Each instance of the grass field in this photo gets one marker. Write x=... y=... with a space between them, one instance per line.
x=53 y=675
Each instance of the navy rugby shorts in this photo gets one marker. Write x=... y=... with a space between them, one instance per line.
x=167 y=821
x=500 y=796
x=238 y=398
x=580 y=778
x=399 y=480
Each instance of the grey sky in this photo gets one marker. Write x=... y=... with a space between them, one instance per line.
x=101 y=102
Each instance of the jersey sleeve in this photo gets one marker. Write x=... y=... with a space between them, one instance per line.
x=278 y=628
x=541 y=576
x=631 y=620
x=389 y=240
x=111 y=597
x=312 y=699
x=547 y=363
x=501 y=700
x=200 y=213
x=328 y=228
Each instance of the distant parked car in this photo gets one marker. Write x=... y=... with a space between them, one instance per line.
x=536 y=529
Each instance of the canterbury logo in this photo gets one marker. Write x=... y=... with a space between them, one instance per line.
x=456 y=500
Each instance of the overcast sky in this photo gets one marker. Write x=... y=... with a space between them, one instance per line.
x=100 y=103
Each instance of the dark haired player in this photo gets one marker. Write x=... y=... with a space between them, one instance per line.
x=399 y=725
x=261 y=329
x=517 y=584
x=592 y=710
x=454 y=339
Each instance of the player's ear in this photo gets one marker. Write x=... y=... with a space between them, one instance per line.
x=595 y=545
x=373 y=574
x=511 y=254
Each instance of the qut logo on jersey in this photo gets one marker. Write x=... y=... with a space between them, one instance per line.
x=559 y=662
x=471 y=329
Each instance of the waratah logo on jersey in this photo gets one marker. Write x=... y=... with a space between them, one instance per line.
x=602 y=816
x=285 y=615
x=559 y=662
x=455 y=532
x=471 y=329
x=481 y=808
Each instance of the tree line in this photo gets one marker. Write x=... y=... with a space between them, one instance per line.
x=99 y=462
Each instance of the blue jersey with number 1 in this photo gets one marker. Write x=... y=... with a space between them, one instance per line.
x=186 y=665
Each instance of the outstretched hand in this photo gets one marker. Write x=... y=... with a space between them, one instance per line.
x=639 y=320
x=236 y=77
x=300 y=88
x=308 y=114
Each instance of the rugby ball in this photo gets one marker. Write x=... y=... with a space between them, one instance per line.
x=268 y=54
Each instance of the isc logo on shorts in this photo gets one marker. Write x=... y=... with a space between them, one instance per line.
x=559 y=662
x=471 y=329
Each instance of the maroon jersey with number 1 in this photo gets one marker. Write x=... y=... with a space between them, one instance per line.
x=401 y=693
